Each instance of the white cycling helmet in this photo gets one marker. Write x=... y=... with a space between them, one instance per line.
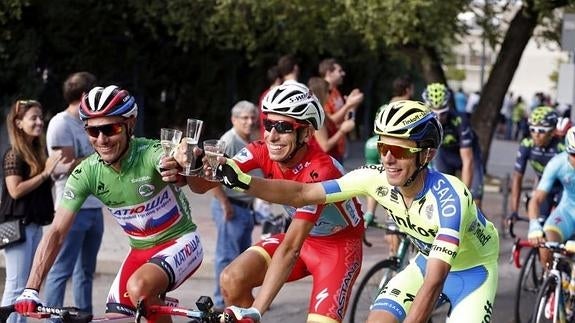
x=570 y=141
x=294 y=100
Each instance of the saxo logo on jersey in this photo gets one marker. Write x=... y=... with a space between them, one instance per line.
x=448 y=200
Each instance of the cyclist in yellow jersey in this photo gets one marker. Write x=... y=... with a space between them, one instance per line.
x=458 y=246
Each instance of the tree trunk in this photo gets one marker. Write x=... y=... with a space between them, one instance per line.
x=428 y=61
x=431 y=65
x=486 y=116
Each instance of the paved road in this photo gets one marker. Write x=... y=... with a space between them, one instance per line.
x=291 y=303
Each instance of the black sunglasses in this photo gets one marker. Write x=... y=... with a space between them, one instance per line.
x=107 y=130
x=281 y=126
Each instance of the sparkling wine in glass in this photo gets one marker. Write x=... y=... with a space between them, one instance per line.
x=169 y=139
x=213 y=149
x=193 y=131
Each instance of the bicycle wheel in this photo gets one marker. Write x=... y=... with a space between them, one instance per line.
x=369 y=288
x=544 y=307
x=530 y=279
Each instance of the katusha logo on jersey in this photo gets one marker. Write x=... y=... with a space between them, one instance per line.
x=146 y=189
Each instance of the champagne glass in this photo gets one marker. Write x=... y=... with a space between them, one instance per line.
x=213 y=149
x=193 y=131
x=169 y=139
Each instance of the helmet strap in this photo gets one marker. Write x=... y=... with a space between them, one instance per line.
x=298 y=146
x=419 y=167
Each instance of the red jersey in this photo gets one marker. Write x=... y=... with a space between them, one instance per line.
x=343 y=217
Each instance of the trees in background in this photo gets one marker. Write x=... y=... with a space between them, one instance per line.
x=184 y=58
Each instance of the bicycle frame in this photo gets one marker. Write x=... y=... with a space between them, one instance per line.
x=562 y=256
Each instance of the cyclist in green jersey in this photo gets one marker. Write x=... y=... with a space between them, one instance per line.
x=458 y=246
x=125 y=175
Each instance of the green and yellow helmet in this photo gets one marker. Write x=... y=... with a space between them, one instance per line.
x=544 y=117
x=410 y=120
x=436 y=96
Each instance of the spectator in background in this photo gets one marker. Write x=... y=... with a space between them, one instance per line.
x=26 y=193
x=507 y=112
x=460 y=101
x=327 y=137
x=288 y=68
x=78 y=256
x=338 y=108
x=231 y=210
x=520 y=119
x=471 y=105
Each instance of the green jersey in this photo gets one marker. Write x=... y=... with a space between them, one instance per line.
x=148 y=209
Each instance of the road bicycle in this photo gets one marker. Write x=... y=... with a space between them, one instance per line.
x=531 y=273
x=203 y=314
x=529 y=282
x=555 y=300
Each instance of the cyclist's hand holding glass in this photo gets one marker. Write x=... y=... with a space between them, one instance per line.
x=535 y=234
x=28 y=301
x=244 y=314
x=232 y=176
x=181 y=156
x=170 y=171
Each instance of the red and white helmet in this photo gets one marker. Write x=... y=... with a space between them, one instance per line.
x=294 y=100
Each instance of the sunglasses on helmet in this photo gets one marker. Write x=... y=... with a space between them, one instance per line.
x=398 y=152
x=281 y=126
x=107 y=130
x=540 y=129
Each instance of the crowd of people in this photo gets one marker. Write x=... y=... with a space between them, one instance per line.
x=423 y=166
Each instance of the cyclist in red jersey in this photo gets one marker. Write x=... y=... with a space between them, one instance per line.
x=323 y=240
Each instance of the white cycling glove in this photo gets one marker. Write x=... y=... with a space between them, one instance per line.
x=28 y=301
x=535 y=229
x=244 y=314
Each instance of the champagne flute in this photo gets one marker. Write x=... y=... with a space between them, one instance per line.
x=214 y=148
x=193 y=131
x=169 y=139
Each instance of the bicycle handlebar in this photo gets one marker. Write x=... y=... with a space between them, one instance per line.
x=204 y=313
x=388 y=227
x=67 y=314
x=567 y=248
x=511 y=223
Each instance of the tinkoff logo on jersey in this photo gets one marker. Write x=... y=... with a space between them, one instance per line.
x=377 y=167
x=478 y=231
x=414 y=227
x=443 y=250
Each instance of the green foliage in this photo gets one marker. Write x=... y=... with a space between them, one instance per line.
x=196 y=58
